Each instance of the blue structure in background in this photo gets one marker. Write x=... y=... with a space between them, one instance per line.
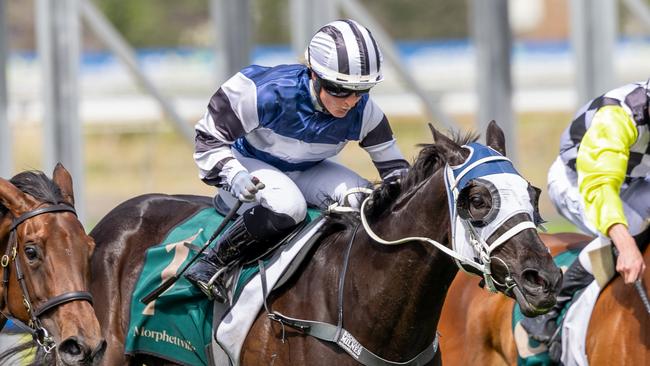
x=406 y=49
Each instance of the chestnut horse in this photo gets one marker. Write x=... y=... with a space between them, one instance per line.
x=476 y=327
x=391 y=295
x=46 y=267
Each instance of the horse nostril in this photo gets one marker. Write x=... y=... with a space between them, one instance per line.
x=534 y=279
x=70 y=347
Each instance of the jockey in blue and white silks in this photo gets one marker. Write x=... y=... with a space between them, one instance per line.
x=272 y=115
x=276 y=127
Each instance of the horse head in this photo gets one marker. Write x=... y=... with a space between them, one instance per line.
x=494 y=214
x=46 y=266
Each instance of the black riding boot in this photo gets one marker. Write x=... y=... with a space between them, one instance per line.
x=228 y=249
x=249 y=235
x=544 y=328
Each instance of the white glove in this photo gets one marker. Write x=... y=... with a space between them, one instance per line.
x=244 y=186
x=396 y=175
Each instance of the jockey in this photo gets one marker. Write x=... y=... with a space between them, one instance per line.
x=275 y=128
x=599 y=183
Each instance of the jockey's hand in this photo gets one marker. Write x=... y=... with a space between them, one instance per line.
x=395 y=177
x=630 y=265
x=244 y=186
x=630 y=262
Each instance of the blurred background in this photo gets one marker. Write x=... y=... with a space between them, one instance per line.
x=112 y=88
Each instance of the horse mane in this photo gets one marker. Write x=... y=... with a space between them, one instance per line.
x=36 y=184
x=429 y=160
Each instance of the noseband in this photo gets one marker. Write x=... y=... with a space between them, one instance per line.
x=35 y=328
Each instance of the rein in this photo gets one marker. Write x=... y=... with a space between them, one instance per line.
x=34 y=327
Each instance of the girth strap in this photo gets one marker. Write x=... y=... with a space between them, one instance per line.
x=349 y=344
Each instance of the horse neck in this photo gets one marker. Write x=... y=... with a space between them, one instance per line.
x=409 y=281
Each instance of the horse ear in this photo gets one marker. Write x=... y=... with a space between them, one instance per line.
x=495 y=138
x=13 y=198
x=452 y=152
x=63 y=179
x=534 y=194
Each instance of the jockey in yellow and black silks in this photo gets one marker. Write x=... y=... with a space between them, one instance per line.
x=599 y=182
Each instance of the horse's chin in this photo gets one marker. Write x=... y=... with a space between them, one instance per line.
x=61 y=362
x=526 y=307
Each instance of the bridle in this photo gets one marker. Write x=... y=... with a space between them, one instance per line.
x=34 y=326
x=462 y=229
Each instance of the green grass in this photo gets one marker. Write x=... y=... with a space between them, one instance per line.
x=123 y=162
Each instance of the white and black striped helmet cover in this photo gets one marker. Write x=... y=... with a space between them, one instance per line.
x=346 y=53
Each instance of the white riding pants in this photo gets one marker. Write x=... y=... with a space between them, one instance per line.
x=564 y=193
x=289 y=193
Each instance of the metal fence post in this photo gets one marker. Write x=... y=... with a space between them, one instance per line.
x=6 y=165
x=58 y=50
x=492 y=43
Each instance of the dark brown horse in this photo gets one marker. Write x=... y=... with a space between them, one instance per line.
x=46 y=267
x=392 y=294
x=618 y=334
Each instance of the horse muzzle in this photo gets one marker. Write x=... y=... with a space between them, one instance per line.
x=536 y=291
x=75 y=352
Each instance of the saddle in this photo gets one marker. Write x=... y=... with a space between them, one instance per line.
x=247 y=266
x=178 y=325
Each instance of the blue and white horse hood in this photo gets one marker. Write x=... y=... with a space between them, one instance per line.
x=510 y=196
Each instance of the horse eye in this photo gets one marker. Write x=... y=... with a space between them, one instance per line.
x=477 y=201
x=31 y=253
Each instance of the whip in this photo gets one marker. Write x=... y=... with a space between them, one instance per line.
x=640 y=288
x=171 y=280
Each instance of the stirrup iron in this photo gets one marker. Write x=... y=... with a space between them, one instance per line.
x=206 y=289
x=216 y=276
x=212 y=289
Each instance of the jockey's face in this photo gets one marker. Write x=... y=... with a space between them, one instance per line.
x=337 y=106
x=338 y=102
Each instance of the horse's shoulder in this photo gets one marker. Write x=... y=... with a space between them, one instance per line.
x=619 y=311
x=471 y=312
x=462 y=299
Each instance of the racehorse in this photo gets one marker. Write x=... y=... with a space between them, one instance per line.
x=391 y=295
x=46 y=267
x=482 y=323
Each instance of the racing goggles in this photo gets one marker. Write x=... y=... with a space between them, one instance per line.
x=339 y=91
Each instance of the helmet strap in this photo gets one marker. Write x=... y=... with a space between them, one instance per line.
x=317 y=89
